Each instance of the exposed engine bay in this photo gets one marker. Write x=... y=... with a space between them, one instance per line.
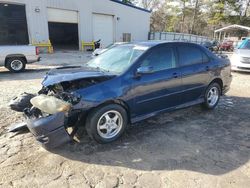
x=60 y=94
x=76 y=84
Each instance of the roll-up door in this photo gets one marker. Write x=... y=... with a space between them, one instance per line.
x=62 y=16
x=13 y=24
x=103 y=28
x=63 y=28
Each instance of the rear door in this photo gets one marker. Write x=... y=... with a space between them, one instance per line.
x=195 y=71
x=158 y=90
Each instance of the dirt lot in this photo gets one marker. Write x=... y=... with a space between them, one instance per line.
x=187 y=148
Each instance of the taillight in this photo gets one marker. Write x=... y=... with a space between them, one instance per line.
x=37 y=51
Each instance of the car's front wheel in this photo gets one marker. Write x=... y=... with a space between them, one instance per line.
x=107 y=123
x=212 y=96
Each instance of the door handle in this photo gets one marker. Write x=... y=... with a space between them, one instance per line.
x=175 y=75
x=207 y=68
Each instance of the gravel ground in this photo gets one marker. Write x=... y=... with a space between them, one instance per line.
x=186 y=148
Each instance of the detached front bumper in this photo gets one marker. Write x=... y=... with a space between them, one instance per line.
x=49 y=131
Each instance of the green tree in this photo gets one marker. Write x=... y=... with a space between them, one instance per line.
x=199 y=16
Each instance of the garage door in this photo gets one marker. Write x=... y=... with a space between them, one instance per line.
x=63 y=16
x=64 y=35
x=63 y=28
x=13 y=24
x=103 y=28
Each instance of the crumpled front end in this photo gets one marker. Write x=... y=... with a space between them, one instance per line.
x=49 y=131
x=49 y=114
x=58 y=106
x=48 y=118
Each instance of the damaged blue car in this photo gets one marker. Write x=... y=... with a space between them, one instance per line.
x=124 y=85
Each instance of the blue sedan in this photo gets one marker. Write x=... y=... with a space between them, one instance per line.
x=124 y=85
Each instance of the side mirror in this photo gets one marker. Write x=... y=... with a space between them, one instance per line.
x=144 y=70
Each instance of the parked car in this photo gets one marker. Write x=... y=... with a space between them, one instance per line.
x=124 y=85
x=241 y=41
x=237 y=44
x=226 y=45
x=99 y=51
x=240 y=60
x=15 y=58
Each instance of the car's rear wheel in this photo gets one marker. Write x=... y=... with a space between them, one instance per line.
x=212 y=96
x=107 y=123
x=15 y=64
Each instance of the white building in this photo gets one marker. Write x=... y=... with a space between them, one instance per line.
x=68 y=22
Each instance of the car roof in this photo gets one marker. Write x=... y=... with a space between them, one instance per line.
x=157 y=42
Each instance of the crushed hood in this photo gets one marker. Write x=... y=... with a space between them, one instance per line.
x=63 y=74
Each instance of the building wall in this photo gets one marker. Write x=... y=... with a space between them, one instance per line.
x=126 y=19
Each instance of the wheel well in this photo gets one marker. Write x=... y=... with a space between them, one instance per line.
x=15 y=55
x=119 y=102
x=219 y=81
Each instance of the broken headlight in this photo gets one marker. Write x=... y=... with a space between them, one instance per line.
x=50 y=104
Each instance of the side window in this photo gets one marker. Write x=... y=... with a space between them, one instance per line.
x=189 y=55
x=161 y=58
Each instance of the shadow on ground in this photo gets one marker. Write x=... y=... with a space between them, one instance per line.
x=28 y=74
x=211 y=142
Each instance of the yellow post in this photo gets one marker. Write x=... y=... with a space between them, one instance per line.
x=47 y=44
x=50 y=47
x=85 y=44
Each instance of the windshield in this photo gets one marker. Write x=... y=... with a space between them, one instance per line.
x=245 y=45
x=117 y=59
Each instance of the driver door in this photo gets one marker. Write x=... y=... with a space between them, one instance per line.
x=159 y=89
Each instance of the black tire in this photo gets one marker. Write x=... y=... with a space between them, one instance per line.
x=208 y=105
x=19 y=60
x=81 y=132
x=93 y=119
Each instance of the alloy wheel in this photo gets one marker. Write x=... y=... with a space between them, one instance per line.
x=212 y=96
x=109 y=124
